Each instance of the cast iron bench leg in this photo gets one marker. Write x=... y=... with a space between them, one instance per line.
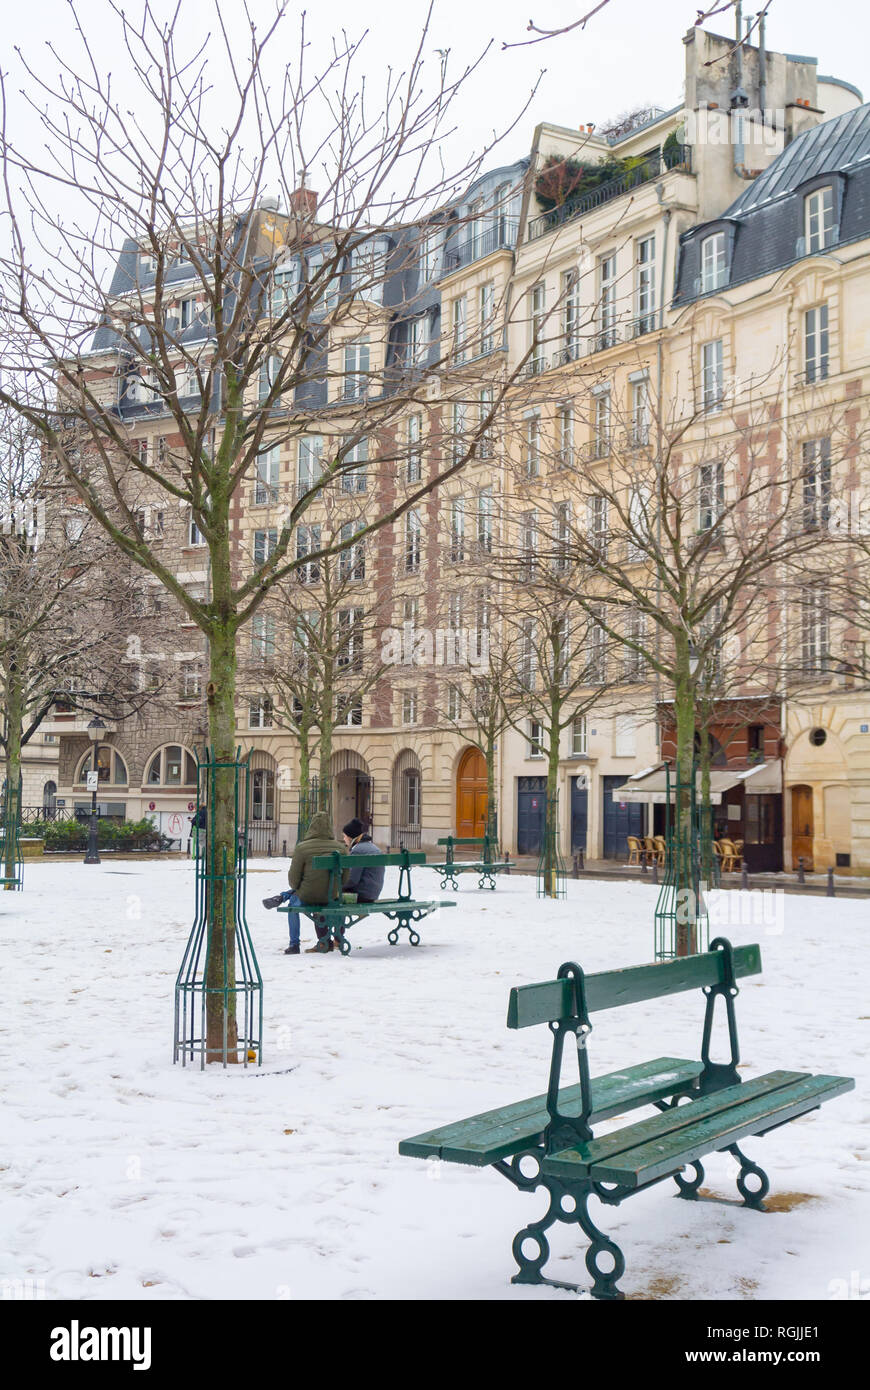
x=752 y=1197
x=406 y=920
x=688 y=1188
x=576 y=1195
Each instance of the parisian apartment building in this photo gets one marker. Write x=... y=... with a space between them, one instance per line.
x=718 y=248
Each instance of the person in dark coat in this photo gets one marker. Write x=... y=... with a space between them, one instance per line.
x=307 y=884
x=366 y=882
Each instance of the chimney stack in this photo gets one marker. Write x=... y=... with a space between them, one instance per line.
x=303 y=201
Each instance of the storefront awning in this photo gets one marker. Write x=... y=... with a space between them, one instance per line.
x=650 y=785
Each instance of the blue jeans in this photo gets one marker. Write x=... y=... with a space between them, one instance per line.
x=289 y=896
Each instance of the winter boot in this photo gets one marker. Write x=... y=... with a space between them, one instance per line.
x=272 y=902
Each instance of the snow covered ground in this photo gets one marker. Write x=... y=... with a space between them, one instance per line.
x=126 y=1177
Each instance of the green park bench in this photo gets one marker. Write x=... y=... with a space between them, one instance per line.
x=340 y=911
x=486 y=867
x=705 y=1108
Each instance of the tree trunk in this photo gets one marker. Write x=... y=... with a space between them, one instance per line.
x=11 y=801
x=705 y=808
x=684 y=716
x=327 y=716
x=551 y=827
x=491 y=819
x=222 y=849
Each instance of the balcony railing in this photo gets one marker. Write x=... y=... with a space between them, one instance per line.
x=679 y=157
x=474 y=248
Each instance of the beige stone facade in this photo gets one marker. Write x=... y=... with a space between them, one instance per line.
x=577 y=306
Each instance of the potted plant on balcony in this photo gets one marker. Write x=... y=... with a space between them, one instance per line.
x=559 y=179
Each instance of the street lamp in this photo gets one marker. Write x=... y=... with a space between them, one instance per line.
x=95 y=729
x=693 y=658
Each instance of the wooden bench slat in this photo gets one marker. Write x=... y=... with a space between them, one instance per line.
x=462 y=840
x=705 y=1134
x=544 y=1003
x=662 y=1126
x=494 y=1134
x=367 y=909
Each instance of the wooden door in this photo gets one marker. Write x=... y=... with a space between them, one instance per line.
x=471 y=798
x=802 y=826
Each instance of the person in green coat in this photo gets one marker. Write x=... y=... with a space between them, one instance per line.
x=307 y=884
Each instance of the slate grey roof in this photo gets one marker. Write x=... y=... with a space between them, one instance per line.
x=839 y=144
x=764 y=228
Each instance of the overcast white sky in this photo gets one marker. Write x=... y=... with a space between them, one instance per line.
x=629 y=54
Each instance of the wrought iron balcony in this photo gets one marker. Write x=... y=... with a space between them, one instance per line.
x=474 y=248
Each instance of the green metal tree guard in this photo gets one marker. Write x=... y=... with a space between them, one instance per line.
x=12 y=863
x=552 y=880
x=681 y=921
x=318 y=797
x=220 y=892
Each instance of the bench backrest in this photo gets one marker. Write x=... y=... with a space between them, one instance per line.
x=338 y=864
x=554 y=1000
x=463 y=840
x=371 y=861
x=566 y=1003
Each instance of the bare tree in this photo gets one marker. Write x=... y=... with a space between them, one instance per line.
x=68 y=608
x=315 y=655
x=233 y=322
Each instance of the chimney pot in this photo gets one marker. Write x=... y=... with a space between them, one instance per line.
x=303 y=201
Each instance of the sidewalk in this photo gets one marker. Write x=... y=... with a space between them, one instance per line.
x=845 y=886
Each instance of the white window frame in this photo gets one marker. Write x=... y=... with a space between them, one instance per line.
x=413 y=546
x=414 y=467
x=714 y=262
x=816 y=344
x=711 y=494
x=486 y=312
x=579 y=736
x=819 y=224
x=713 y=375
x=458 y=323
x=268 y=474
x=645 y=284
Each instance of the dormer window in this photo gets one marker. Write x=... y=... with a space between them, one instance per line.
x=714 y=262
x=819 y=218
x=285 y=286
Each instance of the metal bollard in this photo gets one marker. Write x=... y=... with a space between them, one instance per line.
x=284 y=848
x=268 y=849
x=829 y=891
x=655 y=869
x=643 y=862
x=507 y=862
x=800 y=876
x=744 y=878
x=575 y=866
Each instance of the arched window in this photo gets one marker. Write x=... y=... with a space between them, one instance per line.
x=110 y=766
x=171 y=766
x=262 y=795
x=407 y=791
x=49 y=800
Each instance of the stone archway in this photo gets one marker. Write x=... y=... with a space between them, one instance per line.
x=353 y=788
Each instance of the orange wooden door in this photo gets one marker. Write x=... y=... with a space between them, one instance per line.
x=471 y=798
x=802 y=826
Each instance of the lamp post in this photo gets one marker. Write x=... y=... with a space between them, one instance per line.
x=95 y=729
